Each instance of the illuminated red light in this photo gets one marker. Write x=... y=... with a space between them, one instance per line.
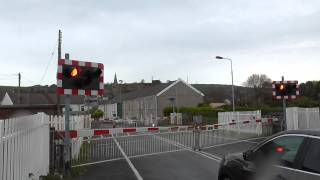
x=74 y=72
x=281 y=87
x=279 y=149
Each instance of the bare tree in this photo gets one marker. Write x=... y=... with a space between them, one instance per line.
x=257 y=81
x=260 y=83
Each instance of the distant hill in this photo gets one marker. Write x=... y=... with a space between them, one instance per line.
x=213 y=92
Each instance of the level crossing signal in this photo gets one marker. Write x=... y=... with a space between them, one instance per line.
x=80 y=78
x=285 y=89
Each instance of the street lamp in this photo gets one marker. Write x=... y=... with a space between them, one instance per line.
x=219 y=57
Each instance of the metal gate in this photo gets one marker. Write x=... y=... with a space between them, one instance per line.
x=115 y=147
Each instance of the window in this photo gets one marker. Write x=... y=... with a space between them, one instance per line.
x=312 y=159
x=282 y=150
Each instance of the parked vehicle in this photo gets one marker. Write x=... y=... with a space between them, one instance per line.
x=289 y=155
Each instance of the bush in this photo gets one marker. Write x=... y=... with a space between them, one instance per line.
x=209 y=115
x=97 y=114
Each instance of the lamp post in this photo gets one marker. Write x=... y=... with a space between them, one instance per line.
x=219 y=57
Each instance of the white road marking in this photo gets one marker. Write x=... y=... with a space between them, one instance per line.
x=235 y=142
x=151 y=154
x=207 y=155
x=135 y=171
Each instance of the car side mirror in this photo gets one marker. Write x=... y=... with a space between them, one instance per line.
x=248 y=155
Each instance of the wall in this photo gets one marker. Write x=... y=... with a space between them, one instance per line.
x=186 y=97
x=111 y=109
x=142 y=109
x=302 y=118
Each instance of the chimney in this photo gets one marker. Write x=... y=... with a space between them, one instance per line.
x=156 y=82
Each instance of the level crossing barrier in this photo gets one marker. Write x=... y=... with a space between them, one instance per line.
x=100 y=145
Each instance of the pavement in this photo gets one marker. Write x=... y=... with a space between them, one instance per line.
x=175 y=163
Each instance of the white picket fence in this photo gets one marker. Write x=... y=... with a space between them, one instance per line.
x=24 y=147
x=302 y=118
x=76 y=122
x=238 y=117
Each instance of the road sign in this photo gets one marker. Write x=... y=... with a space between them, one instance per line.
x=285 y=89
x=80 y=78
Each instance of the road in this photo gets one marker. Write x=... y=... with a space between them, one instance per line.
x=179 y=164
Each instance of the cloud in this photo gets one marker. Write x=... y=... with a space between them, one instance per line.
x=166 y=39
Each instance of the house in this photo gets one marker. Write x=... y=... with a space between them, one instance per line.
x=148 y=104
x=11 y=104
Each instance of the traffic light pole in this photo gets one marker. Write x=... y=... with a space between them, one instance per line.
x=67 y=147
x=284 y=106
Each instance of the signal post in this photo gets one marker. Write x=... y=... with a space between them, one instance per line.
x=285 y=90
x=77 y=78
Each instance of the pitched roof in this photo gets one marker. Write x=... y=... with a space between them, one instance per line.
x=148 y=91
x=6 y=100
x=40 y=98
x=151 y=91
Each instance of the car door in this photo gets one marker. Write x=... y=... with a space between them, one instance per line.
x=275 y=154
x=309 y=165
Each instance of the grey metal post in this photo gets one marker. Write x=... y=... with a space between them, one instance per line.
x=233 y=105
x=284 y=121
x=196 y=135
x=67 y=149
x=232 y=86
x=19 y=89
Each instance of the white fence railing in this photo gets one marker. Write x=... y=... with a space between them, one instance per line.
x=76 y=122
x=302 y=118
x=238 y=117
x=24 y=147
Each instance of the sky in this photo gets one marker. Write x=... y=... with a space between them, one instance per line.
x=162 y=39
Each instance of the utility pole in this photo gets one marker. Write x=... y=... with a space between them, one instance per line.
x=19 y=89
x=67 y=150
x=59 y=57
x=284 y=121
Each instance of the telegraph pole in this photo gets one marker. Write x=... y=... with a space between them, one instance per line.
x=59 y=57
x=19 y=88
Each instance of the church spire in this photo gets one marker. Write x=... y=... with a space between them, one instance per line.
x=115 y=81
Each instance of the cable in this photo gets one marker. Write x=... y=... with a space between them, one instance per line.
x=49 y=62
x=26 y=78
x=8 y=74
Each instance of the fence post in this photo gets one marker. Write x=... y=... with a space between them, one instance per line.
x=196 y=135
x=307 y=117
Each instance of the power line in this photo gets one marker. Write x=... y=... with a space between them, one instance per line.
x=49 y=62
x=8 y=74
x=29 y=80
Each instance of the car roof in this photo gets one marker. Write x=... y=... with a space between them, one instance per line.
x=311 y=132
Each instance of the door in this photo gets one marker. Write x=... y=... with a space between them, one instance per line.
x=276 y=154
x=309 y=166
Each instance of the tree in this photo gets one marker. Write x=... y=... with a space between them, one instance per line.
x=258 y=81
x=98 y=113
x=261 y=84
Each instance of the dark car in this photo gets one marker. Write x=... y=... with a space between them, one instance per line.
x=289 y=155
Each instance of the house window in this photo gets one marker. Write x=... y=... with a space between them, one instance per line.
x=82 y=108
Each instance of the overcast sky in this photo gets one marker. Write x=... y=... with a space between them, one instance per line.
x=163 y=39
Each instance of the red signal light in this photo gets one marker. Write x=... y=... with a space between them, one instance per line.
x=282 y=87
x=74 y=72
x=279 y=149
